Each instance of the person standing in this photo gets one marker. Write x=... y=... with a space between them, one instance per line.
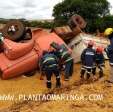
x=109 y=50
x=49 y=64
x=100 y=62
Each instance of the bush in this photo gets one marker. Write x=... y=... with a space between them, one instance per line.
x=45 y=24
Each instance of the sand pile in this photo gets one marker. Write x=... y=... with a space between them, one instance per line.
x=95 y=97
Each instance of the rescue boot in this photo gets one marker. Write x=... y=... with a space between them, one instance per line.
x=58 y=83
x=48 y=84
x=82 y=72
x=66 y=78
x=82 y=76
x=94 y=71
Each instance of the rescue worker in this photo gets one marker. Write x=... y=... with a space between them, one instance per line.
x=109 y=50
x=49 y=64
x=65 y=58
x=88 y=60
x=99 y=61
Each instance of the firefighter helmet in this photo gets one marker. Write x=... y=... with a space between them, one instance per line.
x=99 y=49
x=108 y=31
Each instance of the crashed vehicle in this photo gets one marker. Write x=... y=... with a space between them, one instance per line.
x=80 y=42
x=74 y=27
x=21 y=49
x=77 y=39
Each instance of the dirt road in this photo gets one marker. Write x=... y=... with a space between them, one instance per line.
x=21 y=86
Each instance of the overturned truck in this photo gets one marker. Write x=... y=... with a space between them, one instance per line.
x=76 y=39
x=80 y=42
x=21 y=48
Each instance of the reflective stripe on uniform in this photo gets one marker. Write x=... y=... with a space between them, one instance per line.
x=58 y=77
x=106 y=49
x=48 y=59
x=83 y=68
x=89 y=53
x=94 y=66
x=49 y=81
x=68 y=59
x=87 y=67
x=52 y=65
x=64 y=53
x=111 y=64
x=88 y=72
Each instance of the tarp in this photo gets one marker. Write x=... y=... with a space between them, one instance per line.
x=79 y=43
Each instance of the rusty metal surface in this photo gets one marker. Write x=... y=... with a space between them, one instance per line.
x=77 y=20
x=75 y=25
x=64 y=32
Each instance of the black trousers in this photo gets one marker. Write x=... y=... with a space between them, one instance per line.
x=69 y=68
x=94 y=70
x=49 y=73
x=88 y=72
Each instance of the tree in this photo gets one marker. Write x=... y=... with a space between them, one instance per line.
x=90 y=10
x=104 y=22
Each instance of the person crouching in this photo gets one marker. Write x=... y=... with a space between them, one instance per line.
x=100 y=61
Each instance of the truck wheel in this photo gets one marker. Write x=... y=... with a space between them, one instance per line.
x=13 y=30
x=77 y=20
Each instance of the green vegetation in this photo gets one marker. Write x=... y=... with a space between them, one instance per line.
x=40 y=24
x=33 y=23
x=95 y=12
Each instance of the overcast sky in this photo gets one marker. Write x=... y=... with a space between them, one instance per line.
x=29 y=9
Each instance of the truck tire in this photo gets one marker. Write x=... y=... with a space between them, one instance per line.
x=13 y=30
x=77 y=20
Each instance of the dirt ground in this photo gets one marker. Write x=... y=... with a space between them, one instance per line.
x=90 y=96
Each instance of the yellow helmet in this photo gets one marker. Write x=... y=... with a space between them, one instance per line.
x=108 y=31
